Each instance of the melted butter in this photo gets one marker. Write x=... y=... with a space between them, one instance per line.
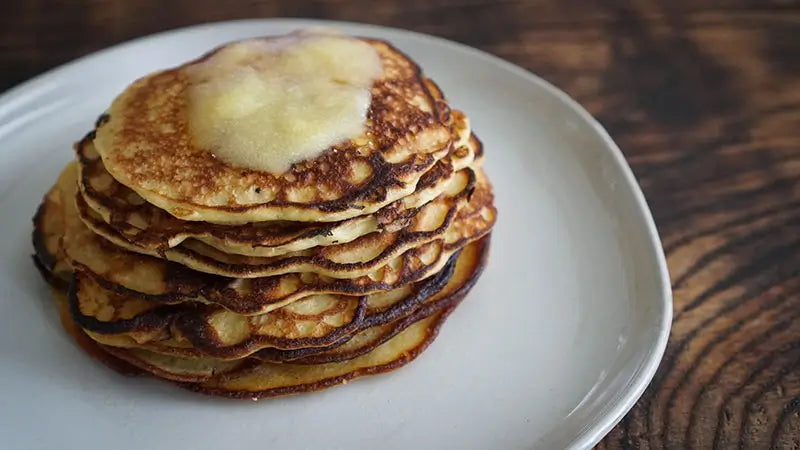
x=266 y=104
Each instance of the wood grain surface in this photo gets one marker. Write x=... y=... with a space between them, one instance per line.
x=702 y=96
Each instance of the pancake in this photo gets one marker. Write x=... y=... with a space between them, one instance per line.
x=271 y=380
x=252 y=380
x=176 y=368
x=447 y=213
x=145 y=144
x=164 y=282
x=86 y=343
x=346 y=260
x=154 y=230
x=303 y=367
x=190 y=329
x=248 y=378
x=48 y=228
x=313 y=324
x=468 y=269
x=47 y=224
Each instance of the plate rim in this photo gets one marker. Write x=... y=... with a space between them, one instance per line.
x=17 y=97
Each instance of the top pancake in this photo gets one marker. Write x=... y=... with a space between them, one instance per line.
x=145 y=144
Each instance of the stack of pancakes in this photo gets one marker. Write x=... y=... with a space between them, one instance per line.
x=169 y=261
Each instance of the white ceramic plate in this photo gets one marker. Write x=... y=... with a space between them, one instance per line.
x=553 y=346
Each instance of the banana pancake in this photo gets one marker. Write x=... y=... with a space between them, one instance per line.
x=165 y=282
x=159 y=141
x=153 y=230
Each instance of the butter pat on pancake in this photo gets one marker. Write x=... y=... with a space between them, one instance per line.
x=267 y=104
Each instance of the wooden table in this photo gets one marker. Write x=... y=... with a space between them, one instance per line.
x=704 y=99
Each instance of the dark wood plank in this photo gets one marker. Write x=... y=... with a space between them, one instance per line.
x=39 y=34
x=704 y=99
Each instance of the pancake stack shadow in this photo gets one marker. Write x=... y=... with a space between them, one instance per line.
x=169 y=262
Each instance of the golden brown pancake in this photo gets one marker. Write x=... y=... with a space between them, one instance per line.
x=347 y=260
x=45 y=259
x=86 y=343
x=271 y=380
x=451 y=214
x=271 y=377
x=48 y=228
x=468 y=268
x=376 y=349
x=315 y=322
x=145 y=144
